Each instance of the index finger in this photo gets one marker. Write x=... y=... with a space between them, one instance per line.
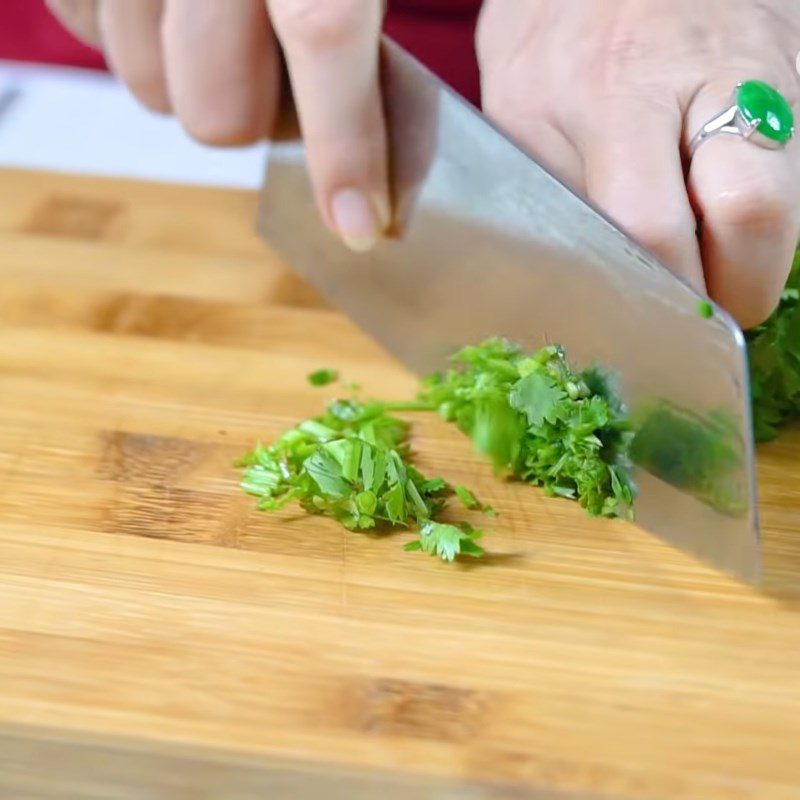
x=332 y=53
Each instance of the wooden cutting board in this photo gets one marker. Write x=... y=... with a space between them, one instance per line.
x=161 y=639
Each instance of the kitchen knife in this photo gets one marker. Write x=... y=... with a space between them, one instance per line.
x=486 y=242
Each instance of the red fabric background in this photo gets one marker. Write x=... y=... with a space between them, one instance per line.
x=439 y=32
x=29 y=32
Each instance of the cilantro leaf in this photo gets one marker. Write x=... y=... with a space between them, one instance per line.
x=536 y=396
x=433 y=486
x=447 y=541
x=367 y=467
x=467 y=498
x=470 y=502
x=395 y=503
x=326 y=472
x=496 y=430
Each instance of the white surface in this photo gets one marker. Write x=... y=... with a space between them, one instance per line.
x=81 y=121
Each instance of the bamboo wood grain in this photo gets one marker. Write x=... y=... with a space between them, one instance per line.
x=159 y=638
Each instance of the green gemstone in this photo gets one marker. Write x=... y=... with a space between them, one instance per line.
x=758 y=100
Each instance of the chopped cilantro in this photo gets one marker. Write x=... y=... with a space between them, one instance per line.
x=537 y=396
x=539 y=421
x=466 y=497
x=352 y=464
x=447 y=541
x=322 y=377
x=774 y=353
x=469 y=501
x=349 y=464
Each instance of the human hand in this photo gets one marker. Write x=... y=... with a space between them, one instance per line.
x=216 y=65
x=608 y=95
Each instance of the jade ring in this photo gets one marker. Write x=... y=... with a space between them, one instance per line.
x=758 y=113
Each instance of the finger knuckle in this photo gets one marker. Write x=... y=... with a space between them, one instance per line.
x=627 y=48
x=764 y=203
x=319 y=24
x=221 y=130
x=506 y=103
x=624 y=59
x=147 y=84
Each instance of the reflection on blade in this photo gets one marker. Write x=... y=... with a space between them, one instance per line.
x=702 y=455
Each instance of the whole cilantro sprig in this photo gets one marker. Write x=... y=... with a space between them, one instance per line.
x=539 y=421
x=352 y=464
x=774 y=353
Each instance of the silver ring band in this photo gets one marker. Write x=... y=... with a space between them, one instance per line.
x=732 y=123
x=757 y=113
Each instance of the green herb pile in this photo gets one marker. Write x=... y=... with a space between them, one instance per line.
x=539 y=421
x=352 y=464
x=774 y=352
x=531 y=414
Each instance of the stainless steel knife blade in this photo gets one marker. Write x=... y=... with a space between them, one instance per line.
x=487 y=243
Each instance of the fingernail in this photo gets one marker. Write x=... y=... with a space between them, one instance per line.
x=356 y=219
